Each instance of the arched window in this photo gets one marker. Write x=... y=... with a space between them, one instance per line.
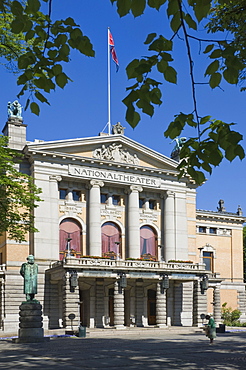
x=111 y=240
x=148 y=242
x=70 y=238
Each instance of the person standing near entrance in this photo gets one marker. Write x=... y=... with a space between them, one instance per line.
x=211 y=329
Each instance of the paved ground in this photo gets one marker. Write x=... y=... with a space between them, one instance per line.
x=146 y=349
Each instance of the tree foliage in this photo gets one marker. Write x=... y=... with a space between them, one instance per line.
x=214 y=139
x=18 y=195
x=230 y=16
x=48 y=44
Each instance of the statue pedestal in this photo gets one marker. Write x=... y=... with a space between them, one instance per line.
x=30 y=323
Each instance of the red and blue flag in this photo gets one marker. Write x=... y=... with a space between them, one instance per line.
x=112 y=50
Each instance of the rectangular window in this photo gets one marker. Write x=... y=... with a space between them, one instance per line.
x=212 y=230
x=76 y=195
x=62 y=193
x=152 y=204
x=141 y=202
x=116 y=200
x=202 y=229
x=104 y=198
x=208 y=260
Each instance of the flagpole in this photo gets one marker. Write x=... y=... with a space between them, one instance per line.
x=109 y=117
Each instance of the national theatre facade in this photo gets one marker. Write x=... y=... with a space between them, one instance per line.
x=120 y=240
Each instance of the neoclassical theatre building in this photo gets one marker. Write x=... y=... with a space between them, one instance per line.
x=120 y=241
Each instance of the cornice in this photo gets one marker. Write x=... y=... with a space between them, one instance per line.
x=225 y=216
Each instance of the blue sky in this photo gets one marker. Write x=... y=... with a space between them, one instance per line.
x=80 y=110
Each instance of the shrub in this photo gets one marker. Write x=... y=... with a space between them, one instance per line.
x=230 y=317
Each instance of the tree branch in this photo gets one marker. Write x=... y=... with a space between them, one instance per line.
x=191 y=64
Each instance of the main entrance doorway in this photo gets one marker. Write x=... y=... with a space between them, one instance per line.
x=111 y=306
x=151 y=307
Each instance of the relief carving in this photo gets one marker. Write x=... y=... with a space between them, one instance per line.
x=115 y=153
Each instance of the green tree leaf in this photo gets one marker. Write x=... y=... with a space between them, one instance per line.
x=150 y=38
x=35 y=108
x=138 y=7
x=215 y=80
x=170 y=75
x=212 y=68
x=61 y=80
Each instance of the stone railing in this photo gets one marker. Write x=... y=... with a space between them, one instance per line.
x=127 y=264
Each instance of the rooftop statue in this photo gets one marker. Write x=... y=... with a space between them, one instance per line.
x=221 y=207
x=29 y=271
x=14 y=109
x=179 y=142
x=118 y=129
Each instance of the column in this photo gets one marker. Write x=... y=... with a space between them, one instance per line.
x=199 y=303
x=139 y=303
x=119 y=314
x=161 y=314
x=217 y=307
x=95 y=218
x=133 y=221
x=70 y=305
x=169 y=227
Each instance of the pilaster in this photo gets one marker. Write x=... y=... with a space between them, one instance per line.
x=161 y=314
x=118 y=306
x=217 y=306
x=199 y=303
x=70 y=304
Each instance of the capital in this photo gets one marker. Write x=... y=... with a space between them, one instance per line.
x=136 y=188
x=169 y=194
x=55 y=178
x=96 y=183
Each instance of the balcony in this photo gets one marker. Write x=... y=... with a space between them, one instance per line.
x=129 y=266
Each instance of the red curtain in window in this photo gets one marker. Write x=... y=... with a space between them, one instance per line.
x=70 y=228
x=110 y=236
x=147 y=241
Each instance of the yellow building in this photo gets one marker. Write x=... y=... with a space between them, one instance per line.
x=120 y=241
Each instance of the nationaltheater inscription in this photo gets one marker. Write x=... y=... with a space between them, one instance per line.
x=113 y=176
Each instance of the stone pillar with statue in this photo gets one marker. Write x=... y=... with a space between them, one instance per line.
x=30 y=316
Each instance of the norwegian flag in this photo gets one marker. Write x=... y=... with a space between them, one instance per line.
x=112 y=50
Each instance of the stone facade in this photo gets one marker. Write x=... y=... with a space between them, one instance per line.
x=120 y=241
